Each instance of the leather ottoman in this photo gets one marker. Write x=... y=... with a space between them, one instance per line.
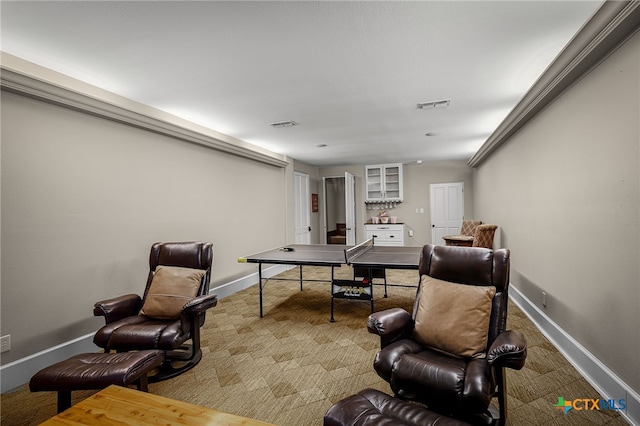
x=96 y=371
x=372 y=407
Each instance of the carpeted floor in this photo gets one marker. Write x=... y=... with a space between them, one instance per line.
x=289 y=367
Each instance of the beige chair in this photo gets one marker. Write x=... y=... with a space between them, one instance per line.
x=465 y=238
x=483 y=236
x=469 y=227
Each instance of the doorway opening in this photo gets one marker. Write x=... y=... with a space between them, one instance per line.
x=339 y=209
x=302 y=215
x=335 y=216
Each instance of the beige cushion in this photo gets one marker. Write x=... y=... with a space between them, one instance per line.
x=454 y=317
x=171 y=288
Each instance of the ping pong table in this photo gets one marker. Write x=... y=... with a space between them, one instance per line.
x=365 y=256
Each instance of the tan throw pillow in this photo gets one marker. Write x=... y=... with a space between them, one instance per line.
x=171 y=288
x=454 y=317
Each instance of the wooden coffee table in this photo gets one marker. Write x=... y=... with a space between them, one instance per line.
x=116 y=405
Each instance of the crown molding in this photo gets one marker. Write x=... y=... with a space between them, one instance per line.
x=609 y=27
x=153 y=120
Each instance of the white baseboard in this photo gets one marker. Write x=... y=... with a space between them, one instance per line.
x=19 y=372
x=226 y=290
x=604 y=381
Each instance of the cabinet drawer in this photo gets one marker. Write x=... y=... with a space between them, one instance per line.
x=384 y=227
x=392 y=235
x=385 y=234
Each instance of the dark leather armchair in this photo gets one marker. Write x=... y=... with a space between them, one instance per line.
x=160 y=320
x=458 y=386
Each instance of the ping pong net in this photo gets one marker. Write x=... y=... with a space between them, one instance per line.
x=352 y=253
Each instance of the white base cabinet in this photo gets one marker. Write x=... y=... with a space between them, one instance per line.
x=385 y=234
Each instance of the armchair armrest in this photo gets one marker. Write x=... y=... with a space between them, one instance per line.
x=200 y=304
x=508 y=350
x=118 y=307
x=390 y=325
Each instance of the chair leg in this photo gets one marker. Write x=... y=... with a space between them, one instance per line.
x=143 y=383
x=64 y=400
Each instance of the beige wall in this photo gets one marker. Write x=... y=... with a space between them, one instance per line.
x=417 y=178
x=84 y=198
x=566 y=193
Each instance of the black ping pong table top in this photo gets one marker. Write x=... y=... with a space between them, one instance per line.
x=389 y=257
x=301 y=254
x=333 y=255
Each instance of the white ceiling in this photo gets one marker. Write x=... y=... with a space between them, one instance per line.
x=349 y=73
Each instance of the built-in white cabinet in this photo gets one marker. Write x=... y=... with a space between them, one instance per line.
x=383 y=182
x=385 y=234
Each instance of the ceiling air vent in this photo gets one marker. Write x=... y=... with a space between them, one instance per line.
x=434 y=104
x=283 y=124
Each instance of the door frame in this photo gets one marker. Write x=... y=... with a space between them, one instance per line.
x=350 y=200
x=350 y=207
x=450 y=225
x=302 y=208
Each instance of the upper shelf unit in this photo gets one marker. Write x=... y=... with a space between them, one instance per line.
x=383 y=182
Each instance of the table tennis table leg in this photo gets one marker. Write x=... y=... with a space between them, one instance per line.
x=332 y=320
x=385 y=283
x=260 y=281
x=300 y=268
x=371 y=286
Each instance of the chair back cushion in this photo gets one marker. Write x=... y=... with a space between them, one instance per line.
x=483 y=236
x=194 y=255
x=171 y=288
x=469 y=227
x=473 y=266
x=454 y=317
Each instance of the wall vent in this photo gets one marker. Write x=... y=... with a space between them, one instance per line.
x=284 y=124
x=434 y=104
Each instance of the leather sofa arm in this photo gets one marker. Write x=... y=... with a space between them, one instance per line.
x=390 y=325
x=118 y=307
x=200 y=304
x=508 y=350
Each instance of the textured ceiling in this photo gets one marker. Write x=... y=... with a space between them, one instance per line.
x=349 y=73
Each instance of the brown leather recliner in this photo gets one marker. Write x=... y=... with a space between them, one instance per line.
x=134 y=323
x=457 y=386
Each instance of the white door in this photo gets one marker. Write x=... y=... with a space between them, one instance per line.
x=447 y=210
x=350 y=207
x=302 y=201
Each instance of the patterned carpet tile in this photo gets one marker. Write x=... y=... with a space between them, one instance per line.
x=290 y=366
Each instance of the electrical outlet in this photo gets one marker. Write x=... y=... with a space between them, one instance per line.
x=5 y=343
x=544 y=299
